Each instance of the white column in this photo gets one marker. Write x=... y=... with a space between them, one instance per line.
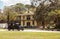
x=25 y=17
x=35 y=23
x=21 y=17
x=31 y=23
x=25 y=23
x=21 y=23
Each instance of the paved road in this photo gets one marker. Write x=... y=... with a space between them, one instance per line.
x=33 y=30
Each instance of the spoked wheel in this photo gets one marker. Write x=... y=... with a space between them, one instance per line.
x=9 y=29
x=12 y=29
x=22 y=29
x=18 y=29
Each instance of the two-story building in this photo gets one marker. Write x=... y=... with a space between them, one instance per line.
x=27 y=19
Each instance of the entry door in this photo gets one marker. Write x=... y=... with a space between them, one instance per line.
x=28 y=23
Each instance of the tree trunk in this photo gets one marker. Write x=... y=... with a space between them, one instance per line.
x=38 y=24
x=43 y=24
x=58 y=23
x=8 y=19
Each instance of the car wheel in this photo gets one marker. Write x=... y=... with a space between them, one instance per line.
x=9 y=29
x=13 y=29
x=18 y=29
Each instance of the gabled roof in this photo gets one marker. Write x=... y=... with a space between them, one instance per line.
x=26 y=13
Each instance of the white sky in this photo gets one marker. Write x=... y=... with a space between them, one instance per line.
x=11 y=2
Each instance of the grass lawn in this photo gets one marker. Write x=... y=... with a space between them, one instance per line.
x=28 y=35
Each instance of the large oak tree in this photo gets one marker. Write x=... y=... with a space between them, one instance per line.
x=43 y=7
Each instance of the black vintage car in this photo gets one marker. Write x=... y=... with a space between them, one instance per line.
x=13 y=26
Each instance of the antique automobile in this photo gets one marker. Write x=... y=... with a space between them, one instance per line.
x=13 y=26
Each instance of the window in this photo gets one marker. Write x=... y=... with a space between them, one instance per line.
x=23 y=22
x=33 y=22
x=28 y=17
x=23 y=17
x=20 y=17
x=20 y=23
x=33 y=16
x=28 y=23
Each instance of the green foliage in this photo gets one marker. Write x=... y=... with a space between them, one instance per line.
x=19 y=8
x=12 y=15
x=12 y=11
x=46 y=11
x=2 y=17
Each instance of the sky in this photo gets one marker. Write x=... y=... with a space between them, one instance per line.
x=1 y=5
x=12 y=2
